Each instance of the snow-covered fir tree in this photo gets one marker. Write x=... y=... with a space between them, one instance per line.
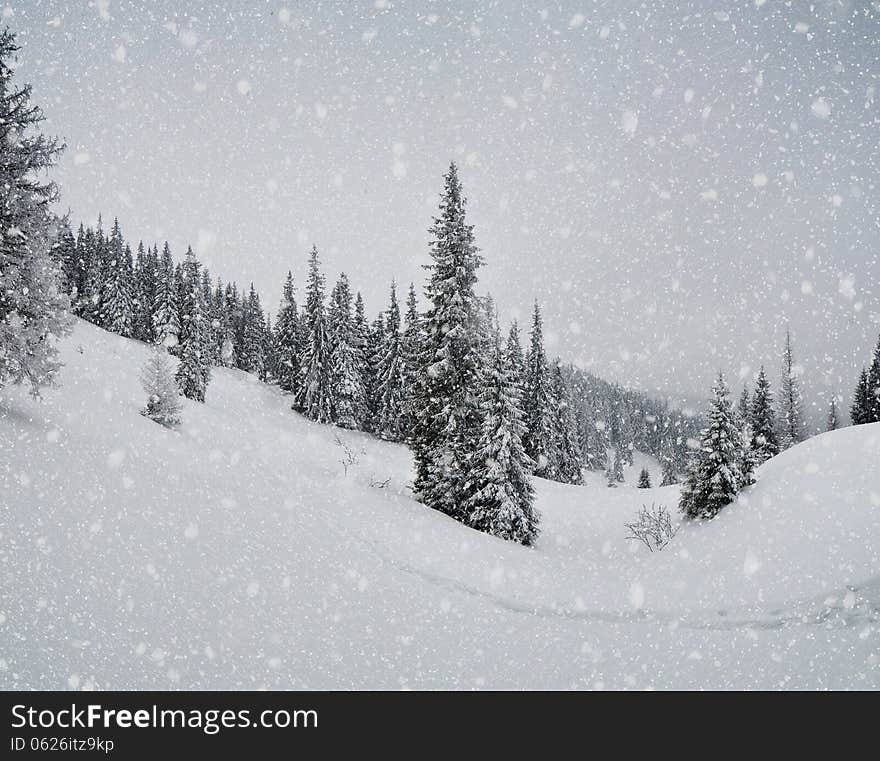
x=194 y=371
x=762 y=419
x=714 y=477
x=516 y=359
x=145 y=286
x=568 y=466
x=449 y=420
x=365 y=343
x=347 y=397
x=644 y=479
x=77 y=272
x=313 y=398
x=614 y=471
x=287 y=340
x=211 y=320
x=791 y=416
x=392 y=376
x=33 y=309
x=600 y=442
x=98 y=264
x=502 y=498
x=163 y=396
x=117 y=301
x=873 y=394
x=832 y=423
x=410 y=348
x=227 y=333
x=859 y=411
x=540 y=439
x=373 y=346
x=743 y=406
x=66 y=253
x=253 y=334
x=166 y=313
x=669 y=475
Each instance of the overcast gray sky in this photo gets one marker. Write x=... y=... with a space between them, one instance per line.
x=675 y=182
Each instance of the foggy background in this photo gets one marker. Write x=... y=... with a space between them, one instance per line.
x=675 y=183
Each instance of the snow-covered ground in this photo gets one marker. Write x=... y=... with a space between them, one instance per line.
x=238 y=553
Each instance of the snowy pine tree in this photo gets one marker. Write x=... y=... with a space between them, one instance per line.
x=791 y=417
x=166 y=320
x=568 y=467
x=287 y=340
x=348 y=407
x=832 y=423
x=644 y=479
x=540 y=436
x=502 y=496
x=313 y=398
x=714 y=477
x=145 y=285
x=614 y=472
x=873 y=404
x=743 y=406
x=194 y=371
x=860 y=410
x=669 y=476
x=392 y=376
x=410 y=348
x=762 y=419
x=163 y=397
x=448 y=420
x=253 y=335
x=117 y=300
x=33 y=309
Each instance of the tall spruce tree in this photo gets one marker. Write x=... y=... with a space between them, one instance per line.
x=346 y=384
x=743 y=406
x=64 y=251
x=287 y=340
x=873 y=408
x=98 y=264
x=117 y=301
x=145 y=286
x=859 y=412
x=77 y=276
x=166 y=312
x=568 y=467
x=669 y=476
x=764 y=444
x=540 y=439
x=614 y=472
x=253 y=335
x=194 y=371
x=313 y=398
x=501 y=502
x=714 y=477
x=832 y=423
x=791 y=416
x=392 y=376
x=449 y=419
x=410 y=348
x=33 y=308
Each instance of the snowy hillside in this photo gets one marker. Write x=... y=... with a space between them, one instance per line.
x=241 y=552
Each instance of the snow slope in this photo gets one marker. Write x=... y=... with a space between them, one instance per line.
x=238 y=553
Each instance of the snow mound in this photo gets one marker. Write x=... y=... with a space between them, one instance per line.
x=252 y=548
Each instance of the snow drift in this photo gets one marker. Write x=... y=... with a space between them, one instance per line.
x=252 y=548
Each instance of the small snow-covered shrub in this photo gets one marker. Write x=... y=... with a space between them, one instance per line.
x=653 y=527
x=163 y=396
